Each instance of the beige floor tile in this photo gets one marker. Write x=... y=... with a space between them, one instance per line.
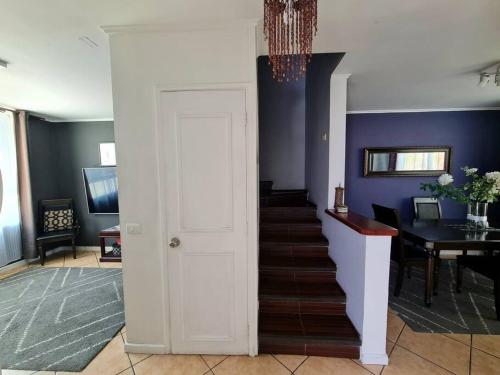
x=214 y=360
x=404 y=362
x=83 y=261
x=12 y=271
x=45 y=373
x=443 y=351
x=463 y=338
x=135 y=358
x=16 y=372
x=330 y=366
x=111 y=360
x=172 y=365
x=487 y=343
x=377 y=369
x=127 y=372
x=389 y=347
x=394 y=326
x=110 y=264
x=242 y=365
x=291 y=362
x=484 y=364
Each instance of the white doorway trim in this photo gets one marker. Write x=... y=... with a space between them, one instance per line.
x=251 y=203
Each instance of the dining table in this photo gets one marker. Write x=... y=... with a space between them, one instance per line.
x=435 y=236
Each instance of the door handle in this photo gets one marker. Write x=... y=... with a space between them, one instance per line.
x=174 y=242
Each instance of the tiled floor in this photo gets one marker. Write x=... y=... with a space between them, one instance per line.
x=410 y=352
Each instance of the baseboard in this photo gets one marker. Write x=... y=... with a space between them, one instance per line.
x=145 y=348
x=12 y=266
x=69 y=248
x=374 y=359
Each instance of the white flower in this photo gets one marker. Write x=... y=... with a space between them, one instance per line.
x=469 y=171
x=494 y=176
x=445 y=179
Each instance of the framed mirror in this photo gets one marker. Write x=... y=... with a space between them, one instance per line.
x=407 y=161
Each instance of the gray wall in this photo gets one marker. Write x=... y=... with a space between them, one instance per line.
x=281 y=129
x=58 y=152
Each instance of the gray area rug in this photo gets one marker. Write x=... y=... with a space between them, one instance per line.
x=471 y=311
x=58 y=318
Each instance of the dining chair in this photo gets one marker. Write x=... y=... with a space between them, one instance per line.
x=426 y=208
x=57 y=222
x=405 y=255
x=486 y=265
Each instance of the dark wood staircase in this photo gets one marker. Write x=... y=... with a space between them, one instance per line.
x=302 y=309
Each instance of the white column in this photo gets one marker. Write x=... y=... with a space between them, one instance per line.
x=338 y=108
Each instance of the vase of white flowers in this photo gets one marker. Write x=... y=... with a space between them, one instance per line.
x=477 y=193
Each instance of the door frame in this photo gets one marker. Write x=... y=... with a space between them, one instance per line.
x=252 y=194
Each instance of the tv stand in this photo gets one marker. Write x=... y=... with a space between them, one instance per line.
x=109 y=233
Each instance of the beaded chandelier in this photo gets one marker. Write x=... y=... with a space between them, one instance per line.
x=289 y=27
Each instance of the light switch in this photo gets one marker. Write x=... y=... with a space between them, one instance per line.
x=134 y=228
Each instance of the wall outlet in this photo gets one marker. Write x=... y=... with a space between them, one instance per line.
x=134 y=228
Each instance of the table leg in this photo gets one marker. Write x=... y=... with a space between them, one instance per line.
x=429 y=282
x=437 y=267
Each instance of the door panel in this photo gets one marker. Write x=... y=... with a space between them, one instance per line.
x=204 y=169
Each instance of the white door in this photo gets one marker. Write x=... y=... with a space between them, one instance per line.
x=202 y=142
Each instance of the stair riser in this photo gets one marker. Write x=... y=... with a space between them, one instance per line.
x=272 y=346
x=284 y=201
x=288 y=216
x=313 y=276
x=295 y=251
x=304 y=307
x=290 y=234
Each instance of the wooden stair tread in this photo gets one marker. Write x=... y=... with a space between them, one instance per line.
x=296 y=263
x=318 y=241
x=302 y=308
x=312 y=328
x=277 y=288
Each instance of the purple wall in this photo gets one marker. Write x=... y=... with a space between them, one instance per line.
x=282 y=125
x=473 y=135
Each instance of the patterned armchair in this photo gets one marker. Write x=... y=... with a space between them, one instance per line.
x=56 y=223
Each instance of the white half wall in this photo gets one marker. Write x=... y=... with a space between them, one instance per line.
x=144 y=58
x=363 y=273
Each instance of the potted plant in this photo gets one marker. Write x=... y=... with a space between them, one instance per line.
x=477 y=193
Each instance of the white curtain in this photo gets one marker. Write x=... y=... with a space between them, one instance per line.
x=10 y=218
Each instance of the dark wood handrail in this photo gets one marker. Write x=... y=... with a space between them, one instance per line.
x=362 y=224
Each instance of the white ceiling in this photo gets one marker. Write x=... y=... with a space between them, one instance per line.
x=417 y=54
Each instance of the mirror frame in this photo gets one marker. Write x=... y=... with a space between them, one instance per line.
x=378 y=150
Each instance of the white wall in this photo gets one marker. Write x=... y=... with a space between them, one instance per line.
x=142 y=59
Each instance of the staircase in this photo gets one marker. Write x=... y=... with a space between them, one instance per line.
x=302 y=309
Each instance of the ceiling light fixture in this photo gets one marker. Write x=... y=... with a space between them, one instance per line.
x=3 y=64
x=289 y=28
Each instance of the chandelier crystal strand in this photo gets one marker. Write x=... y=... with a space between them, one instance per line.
x=289 y=27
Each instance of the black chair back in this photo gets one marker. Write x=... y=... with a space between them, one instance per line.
x=56 y=215
x=391 y=217
x=426 y=208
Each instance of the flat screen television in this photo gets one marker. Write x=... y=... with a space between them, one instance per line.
x=101 y=189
